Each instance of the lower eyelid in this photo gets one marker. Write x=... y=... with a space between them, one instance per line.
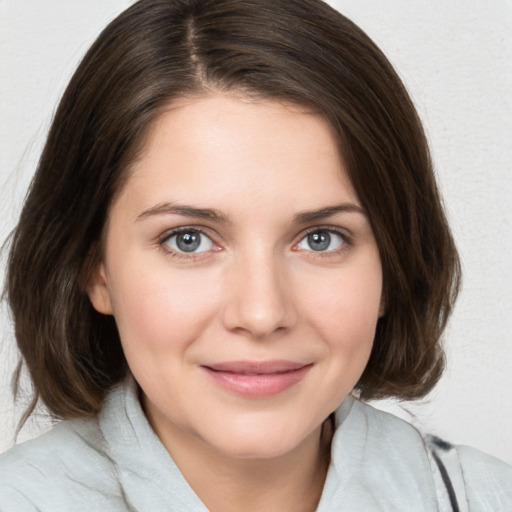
x=163 y=241
x=345 y=243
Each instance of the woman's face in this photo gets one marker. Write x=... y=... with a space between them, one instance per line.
x=243 y=276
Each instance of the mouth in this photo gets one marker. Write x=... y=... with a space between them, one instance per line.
x=257 y=379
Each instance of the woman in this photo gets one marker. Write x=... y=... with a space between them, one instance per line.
x=233 y=232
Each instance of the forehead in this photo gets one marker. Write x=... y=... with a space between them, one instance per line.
x=221 y=147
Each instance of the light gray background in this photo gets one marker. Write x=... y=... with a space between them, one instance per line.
x=456 y=59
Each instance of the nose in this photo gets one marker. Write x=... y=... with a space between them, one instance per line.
x=259 y=301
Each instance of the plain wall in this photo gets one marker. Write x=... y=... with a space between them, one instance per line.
x=455 y=56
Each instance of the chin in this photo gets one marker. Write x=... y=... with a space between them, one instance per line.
x=251 y=450
x=258 y=441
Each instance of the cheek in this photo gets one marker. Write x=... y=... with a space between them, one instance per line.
x=346 y=319
x=158 y=309
x=346 y=307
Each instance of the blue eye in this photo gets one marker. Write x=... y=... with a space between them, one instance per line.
x=189 y=241
x=322 y=240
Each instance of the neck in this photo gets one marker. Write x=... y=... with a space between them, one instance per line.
x=291 y=482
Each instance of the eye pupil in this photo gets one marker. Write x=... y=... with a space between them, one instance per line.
x=319 y=241
x=188 y=241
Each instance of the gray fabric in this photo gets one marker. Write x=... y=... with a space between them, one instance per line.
x=117 y=463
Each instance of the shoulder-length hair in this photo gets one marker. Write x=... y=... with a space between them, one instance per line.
x=300 y=51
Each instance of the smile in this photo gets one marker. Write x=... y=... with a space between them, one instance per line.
x=257 y=379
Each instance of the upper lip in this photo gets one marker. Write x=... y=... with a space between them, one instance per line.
x=256 y=367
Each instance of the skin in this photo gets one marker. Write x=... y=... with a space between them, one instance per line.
x=255 y=290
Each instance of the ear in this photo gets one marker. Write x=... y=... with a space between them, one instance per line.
x=98 y=292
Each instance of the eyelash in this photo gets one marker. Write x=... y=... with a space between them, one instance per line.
x=346 y=244
x=194 y=256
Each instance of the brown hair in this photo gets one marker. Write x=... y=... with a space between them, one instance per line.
x=157 y=50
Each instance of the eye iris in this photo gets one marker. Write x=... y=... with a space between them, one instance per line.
x=319 y=241
x=189 y=241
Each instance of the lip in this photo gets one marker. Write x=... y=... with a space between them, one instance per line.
x=257 y=379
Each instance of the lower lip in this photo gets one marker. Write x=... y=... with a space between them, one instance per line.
x=257 y=386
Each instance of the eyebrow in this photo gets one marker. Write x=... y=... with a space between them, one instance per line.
x=303 y=217
x=185 y=211
x=323 y=213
